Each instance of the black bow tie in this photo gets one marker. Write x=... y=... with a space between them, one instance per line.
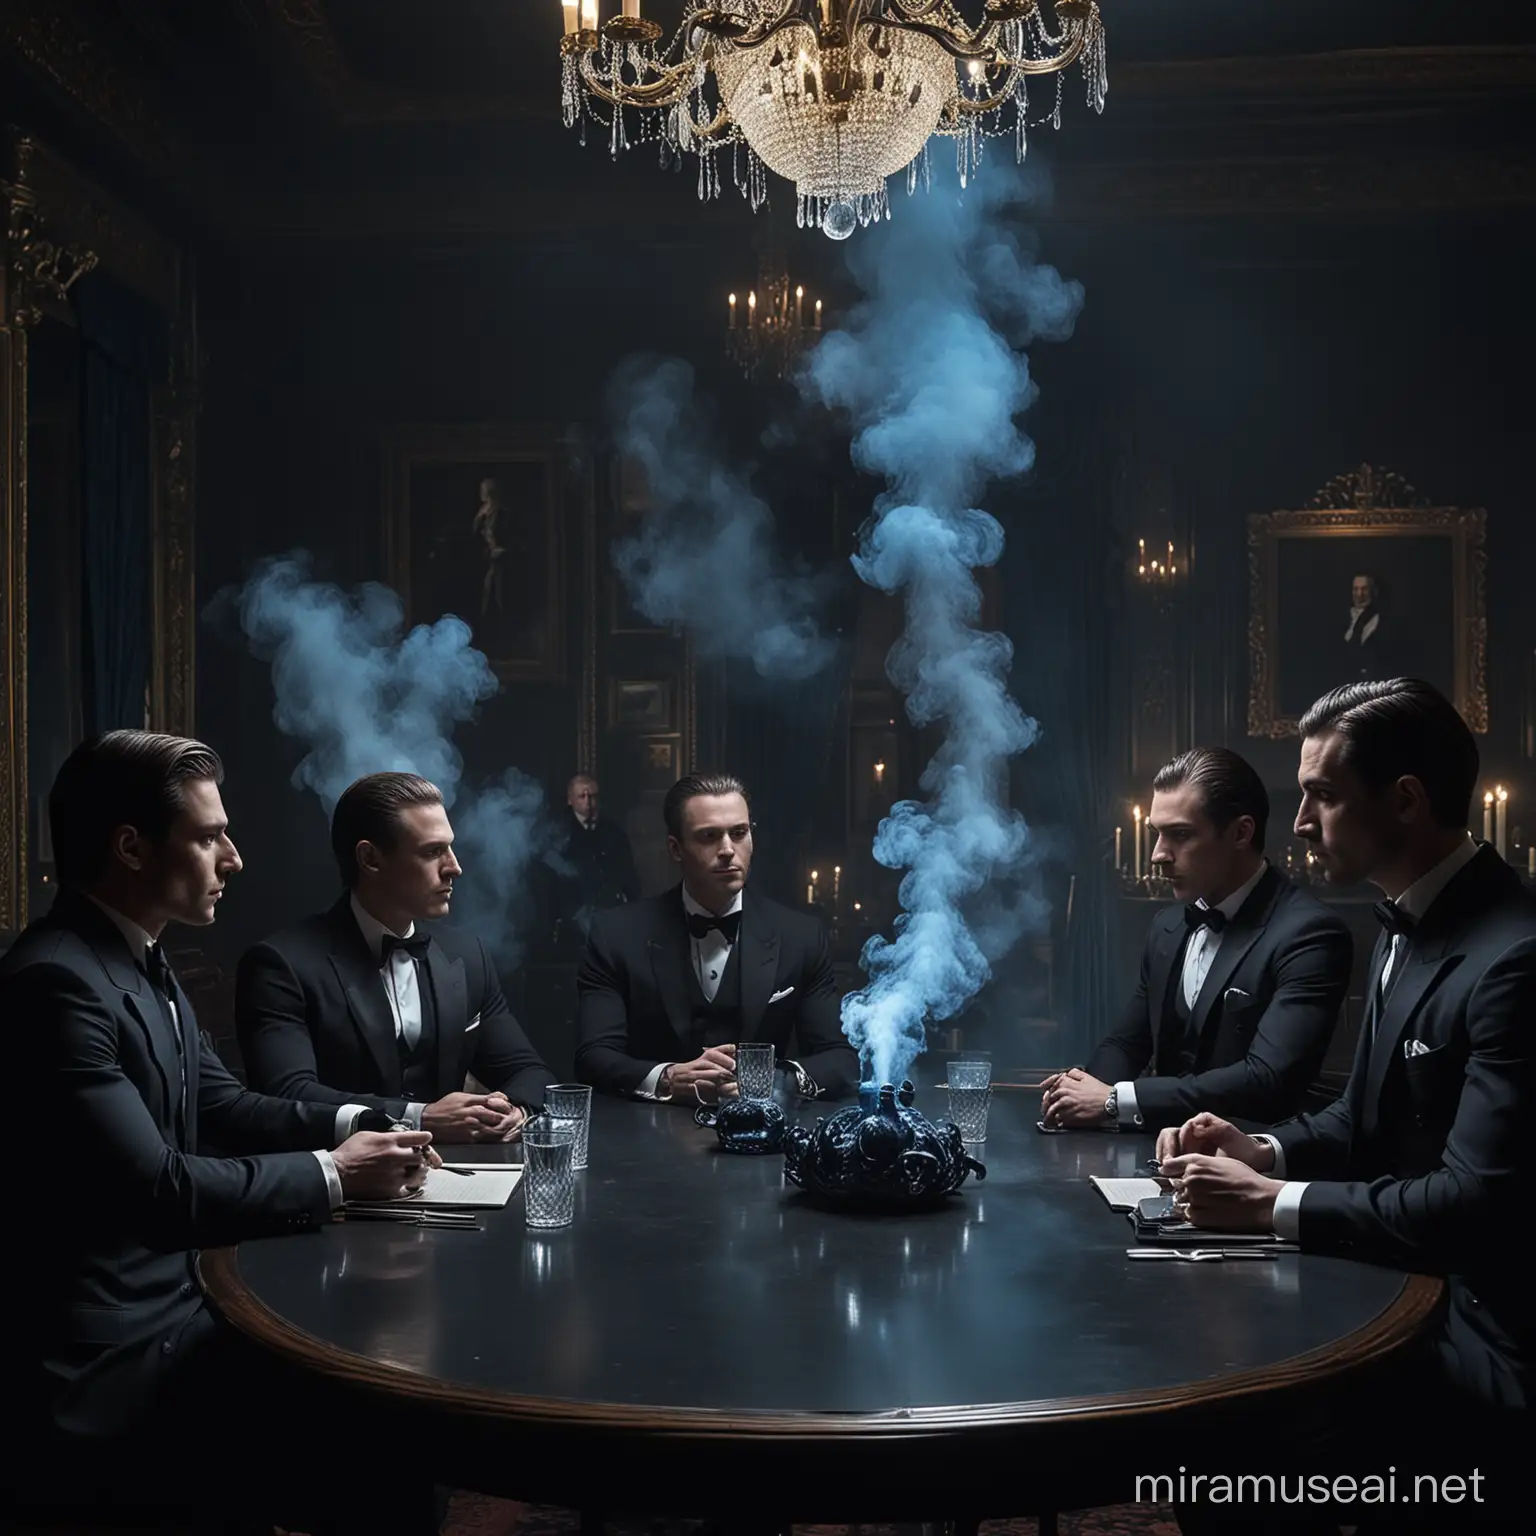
x=1204 y=917
x=415 y=946
x=699 y=924
x=158 y=969
x=1392 y=917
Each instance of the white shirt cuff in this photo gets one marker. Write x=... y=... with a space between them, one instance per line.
x=346 y=1121
x=1126 y=1108
x=413 y=1115
x=1276 y=1170
x=332 y=1181
x=647 y=1089
x=1287 y=1221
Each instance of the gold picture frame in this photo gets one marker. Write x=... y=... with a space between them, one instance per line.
x=1420 y=562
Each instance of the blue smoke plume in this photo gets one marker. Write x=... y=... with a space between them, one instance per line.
x=364 y=698
x=704 y=523
x=930 y=370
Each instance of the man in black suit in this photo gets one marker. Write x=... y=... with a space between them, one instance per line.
x=598 y=863
x=117 y=1365
x=355 y=1007
x=1425 y=1162
x=1364 y=643
x=670 y=985
x=1240 y=988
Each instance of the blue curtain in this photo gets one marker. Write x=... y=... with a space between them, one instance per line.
x=123 y=356
x=1066 y=620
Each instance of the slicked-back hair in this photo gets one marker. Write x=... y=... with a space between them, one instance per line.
x=691 y=788
x=1403 y=728
x=369 y=812
x=1228 y=784
x=120 y=779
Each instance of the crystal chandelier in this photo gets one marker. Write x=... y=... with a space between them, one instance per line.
x=778 y=324
x=833 y=95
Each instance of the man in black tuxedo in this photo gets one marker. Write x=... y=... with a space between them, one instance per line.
x=670 y=985
x=355 y=1007
x=117 y=1365
x=1425 y=1162
x=1364 y=643
x=598 y=862
x=1240 y=988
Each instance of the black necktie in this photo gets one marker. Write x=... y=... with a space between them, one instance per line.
x=415 y=946
x=1204 y=917
x=699 y=924
x=158 y=969
x=1392 y=918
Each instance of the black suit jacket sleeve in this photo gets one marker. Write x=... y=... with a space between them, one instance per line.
x=1472 y=1205
x=504 y=1059
x=602 y=1018
x=272 y=1026
x=172 y=1200
x=828 y=1058
x=1289 y=1041
x=1124 y=1053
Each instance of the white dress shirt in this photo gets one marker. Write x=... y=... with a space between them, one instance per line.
x=139 y=944
x=709 y=956
x=402 y=986
x=1415 y=901
x=1199 y=956
x=1370 y=625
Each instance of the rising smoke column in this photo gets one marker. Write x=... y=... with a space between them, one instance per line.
x=363 y=697
x=705 y=531
x=929 y=370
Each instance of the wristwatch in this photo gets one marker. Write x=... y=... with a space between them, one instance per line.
x=1112 y=1107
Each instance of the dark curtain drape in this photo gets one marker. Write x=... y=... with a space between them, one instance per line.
x=123 y=343
x=786 y=740
x=1065 y=615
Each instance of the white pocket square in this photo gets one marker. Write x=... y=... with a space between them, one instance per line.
x=779 y=996
x=1415 y=1048
x=474 y=1023
x=1236 y=995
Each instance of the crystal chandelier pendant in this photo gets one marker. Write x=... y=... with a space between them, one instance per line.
x=779 y=324
x=835 y=96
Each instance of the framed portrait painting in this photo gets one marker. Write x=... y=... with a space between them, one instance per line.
x=1365 y=583
x=473 y=529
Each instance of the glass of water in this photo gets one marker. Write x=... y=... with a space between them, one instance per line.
x=549 y=1172
x=572 y=1102
x=754 y=1070
x=970 y=1094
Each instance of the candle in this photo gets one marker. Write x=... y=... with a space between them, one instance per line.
x=818 y=314
x=1488 y=816
x=799 y=305
x=1530 y=861
x=1117 y=850
x=632 y=8
x=732 y=302
x=1141 y=557
x=1501 y=800
x=879 y=773
x=810 y=890
x=837 y=882
x=589 y=14
x=751 y=310
x=572 y=18
x=1136 y=868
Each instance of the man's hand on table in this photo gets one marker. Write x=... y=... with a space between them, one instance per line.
x=1073 y=1099
x=472 y=1117
x=708 y=1078
x=1214 y=1137
x=383 y=1165
x=1221 y=1192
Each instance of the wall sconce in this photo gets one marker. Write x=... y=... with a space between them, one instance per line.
x=1161 y=569
x=879 y=774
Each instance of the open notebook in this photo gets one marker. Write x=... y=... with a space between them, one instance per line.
x=1122 y=1194
x=485 y=1188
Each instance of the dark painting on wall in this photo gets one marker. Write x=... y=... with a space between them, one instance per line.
x=1364 y=591
x=474 y=532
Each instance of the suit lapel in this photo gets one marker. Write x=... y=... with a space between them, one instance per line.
x=669 y=959
x=191 y=1047
x=445 y=976
x=1408 y=991
x=1240 y=935
x=758 y=956
x=367 y=1001
x=1167 y=947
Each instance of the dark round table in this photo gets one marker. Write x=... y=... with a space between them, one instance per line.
x=703 y=1335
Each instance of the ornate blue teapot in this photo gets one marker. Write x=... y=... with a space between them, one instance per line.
x=745 y=1125
x=880 y=1153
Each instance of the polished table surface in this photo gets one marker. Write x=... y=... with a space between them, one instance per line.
x=698 y=1299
